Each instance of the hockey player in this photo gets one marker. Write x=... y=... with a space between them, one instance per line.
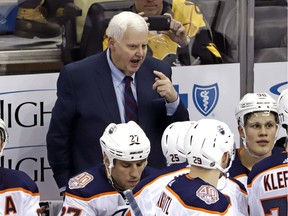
x=257 y=119
x=268 y=180
x=268 y=185
x=283 y=117
x=148 y=190
x=99 y=190
x=19 y=195
x=209 y=144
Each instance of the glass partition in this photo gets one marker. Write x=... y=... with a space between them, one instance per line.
x=227 y=23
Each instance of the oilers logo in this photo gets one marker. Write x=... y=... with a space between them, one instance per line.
x=205 y=98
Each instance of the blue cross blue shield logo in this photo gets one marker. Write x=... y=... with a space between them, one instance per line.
x=205 y=98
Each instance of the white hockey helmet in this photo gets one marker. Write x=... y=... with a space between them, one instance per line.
x=254 y=102
x=283 y=108
x=206 y=142
x=125 y=141
x=172 y=142
x=3 y=136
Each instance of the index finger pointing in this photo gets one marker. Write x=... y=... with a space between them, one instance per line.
x=159 y=74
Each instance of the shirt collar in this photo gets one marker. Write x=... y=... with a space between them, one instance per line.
x=117 y=75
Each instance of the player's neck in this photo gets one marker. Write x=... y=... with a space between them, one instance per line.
x=248 y=160
x=208 y=175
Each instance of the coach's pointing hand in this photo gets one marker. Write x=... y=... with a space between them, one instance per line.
x=164 y=87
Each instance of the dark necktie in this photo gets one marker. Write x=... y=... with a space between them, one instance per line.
x=131 y=110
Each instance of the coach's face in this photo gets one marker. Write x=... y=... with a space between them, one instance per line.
x=129 y=53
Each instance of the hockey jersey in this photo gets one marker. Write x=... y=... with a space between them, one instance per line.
x=268 y=186
x=90 y=193
x=19 y=194
x=148 y=190
x=186 y=196
x=237 y=194
x=239 y=171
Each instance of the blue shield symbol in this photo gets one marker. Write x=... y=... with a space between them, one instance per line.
x=205 y=98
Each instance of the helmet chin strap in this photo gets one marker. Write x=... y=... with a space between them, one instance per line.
x=219 y=167
x=3 y=146
x=108 y=168
x=286 y=139
x=245 y=144
x=225 y=170
x=223 y=181
x=109 y=176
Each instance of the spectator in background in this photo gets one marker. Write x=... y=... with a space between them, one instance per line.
x=80 y=20
x=209 y=145
x=99 y=190
x=267 y=181
x=173 y=45
x=18 y=192
x=258 y=124
x=31 y=21
x=90 y=96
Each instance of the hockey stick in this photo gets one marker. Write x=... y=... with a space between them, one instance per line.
x=134 y=206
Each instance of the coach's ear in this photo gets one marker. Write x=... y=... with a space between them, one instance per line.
x=111 y=43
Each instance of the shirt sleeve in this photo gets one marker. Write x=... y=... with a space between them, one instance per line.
x=172 y=107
